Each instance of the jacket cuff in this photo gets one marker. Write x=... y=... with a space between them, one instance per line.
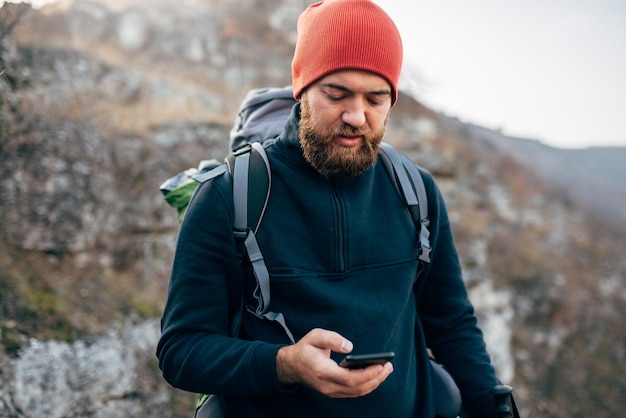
x=481 y=405
x=263 y=370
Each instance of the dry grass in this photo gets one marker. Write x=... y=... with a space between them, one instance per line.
x=62 y=298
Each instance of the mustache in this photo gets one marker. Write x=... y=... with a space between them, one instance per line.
x=348 y=130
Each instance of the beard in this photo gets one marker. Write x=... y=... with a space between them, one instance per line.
x=329 y=158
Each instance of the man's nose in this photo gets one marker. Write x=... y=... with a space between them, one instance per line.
x=354 y=114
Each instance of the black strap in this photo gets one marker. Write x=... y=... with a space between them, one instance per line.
x=505 y=404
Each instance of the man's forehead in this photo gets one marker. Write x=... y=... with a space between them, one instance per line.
x=356 y=81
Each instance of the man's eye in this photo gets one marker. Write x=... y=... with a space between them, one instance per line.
x=334 y=97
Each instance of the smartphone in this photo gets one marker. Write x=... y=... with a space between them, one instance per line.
x=360 y=361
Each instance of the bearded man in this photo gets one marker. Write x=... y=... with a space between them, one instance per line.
x=341 y=252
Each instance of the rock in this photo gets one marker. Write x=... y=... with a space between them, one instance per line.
x=132 y=30
x=105 y=377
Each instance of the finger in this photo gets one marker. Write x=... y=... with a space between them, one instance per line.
x=356 y=377
x=359 y=382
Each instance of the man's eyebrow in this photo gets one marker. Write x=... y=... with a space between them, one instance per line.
x=347 y=90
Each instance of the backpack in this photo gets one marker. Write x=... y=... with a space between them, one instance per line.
x=262 y=116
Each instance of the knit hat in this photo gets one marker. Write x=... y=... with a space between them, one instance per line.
x=346 y=34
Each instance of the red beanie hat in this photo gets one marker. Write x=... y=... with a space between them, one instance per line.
x=346 y=34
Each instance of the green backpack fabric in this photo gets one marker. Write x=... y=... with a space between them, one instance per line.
x=179 y=189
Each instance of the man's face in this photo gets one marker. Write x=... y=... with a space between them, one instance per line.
x=343 y=120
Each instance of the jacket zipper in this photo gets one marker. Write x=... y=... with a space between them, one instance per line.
x=340 y=236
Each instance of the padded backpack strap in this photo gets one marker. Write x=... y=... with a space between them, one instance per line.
x=251 y=164
x=412 y=188
x=240 y=168
x=422 y=198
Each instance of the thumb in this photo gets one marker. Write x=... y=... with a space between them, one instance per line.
x=329 y=340
x=345 y=346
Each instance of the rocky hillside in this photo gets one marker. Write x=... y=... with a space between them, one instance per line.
x=591 y=179
x=100 y=101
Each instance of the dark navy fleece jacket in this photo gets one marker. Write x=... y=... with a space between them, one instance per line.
x=342 y=255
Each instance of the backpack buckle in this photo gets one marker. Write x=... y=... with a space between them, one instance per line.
x=240 y=234
x=242 y=149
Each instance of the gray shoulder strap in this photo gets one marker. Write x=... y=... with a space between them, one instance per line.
x=240 y=193
x=412 y=187
x=243 y=231
x=422 y=198
x=208 y=175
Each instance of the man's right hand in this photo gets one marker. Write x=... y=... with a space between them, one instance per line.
x=308 y=362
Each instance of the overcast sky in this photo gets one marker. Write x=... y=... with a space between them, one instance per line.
x=552 y=70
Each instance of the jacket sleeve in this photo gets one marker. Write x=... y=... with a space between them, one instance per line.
x=195 y=351
x=448 y=319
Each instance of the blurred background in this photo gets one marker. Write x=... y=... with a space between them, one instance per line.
x=545 y=70
x=103 y=100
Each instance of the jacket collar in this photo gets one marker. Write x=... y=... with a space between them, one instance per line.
x=291 y=135
x=289 y=141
